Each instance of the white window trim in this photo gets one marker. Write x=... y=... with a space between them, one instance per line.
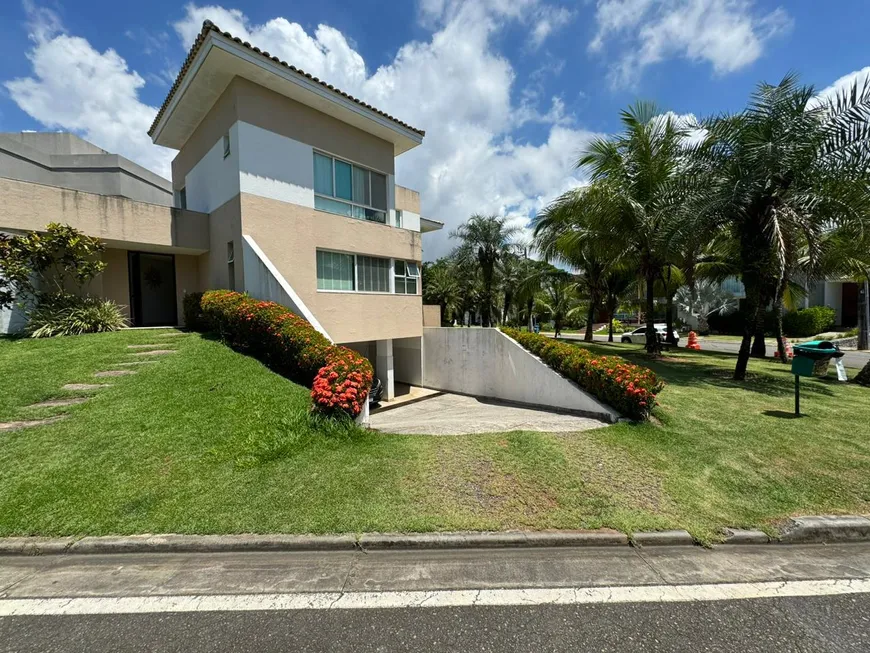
x=406 y=277
x=351 y=203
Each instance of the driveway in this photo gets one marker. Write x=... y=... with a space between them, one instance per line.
x=450 y=414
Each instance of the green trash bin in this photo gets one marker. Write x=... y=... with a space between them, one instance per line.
x=811 y=359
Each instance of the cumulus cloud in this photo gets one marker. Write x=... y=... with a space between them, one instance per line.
x=728 y=34
x=457 y=88
x=75 y=87
x=845 y=83
x=454 y=84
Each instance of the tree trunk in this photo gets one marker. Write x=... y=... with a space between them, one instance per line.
x=590 y=317
x=530 y=306
x=653 y=346
x=611 y=309
x=669 y=321
x=864 y=315
x=749 y=328
x=777 y=322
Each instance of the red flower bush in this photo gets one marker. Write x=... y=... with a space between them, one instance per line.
x=630 y=389
x=340 y=378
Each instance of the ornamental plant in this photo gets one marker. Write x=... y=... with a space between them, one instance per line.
x=340 y=378
x=629 y=388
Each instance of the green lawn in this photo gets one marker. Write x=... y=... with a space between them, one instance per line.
x=209 y=441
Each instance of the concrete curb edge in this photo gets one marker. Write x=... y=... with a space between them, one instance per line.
x=800 y=530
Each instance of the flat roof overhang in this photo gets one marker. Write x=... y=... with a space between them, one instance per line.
x=428 y=224
x=220 y=59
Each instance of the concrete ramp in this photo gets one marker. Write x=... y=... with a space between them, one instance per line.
x=487 y=363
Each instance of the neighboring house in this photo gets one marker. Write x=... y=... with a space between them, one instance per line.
x=839 y=294
x=283 y=187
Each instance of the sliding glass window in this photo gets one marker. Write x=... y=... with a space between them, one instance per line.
x=347 y=189
x=335 y=271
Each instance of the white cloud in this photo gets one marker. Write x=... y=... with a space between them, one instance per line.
x=547 y=21
x=454 y=84
x=844 y=83
x=728 y=34
x=77 y=88
x=457 y=88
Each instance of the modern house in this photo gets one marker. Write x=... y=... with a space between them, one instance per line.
x=283 y=187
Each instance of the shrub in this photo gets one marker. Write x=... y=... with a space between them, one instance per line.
x=630 y=389
x=192 y=311
x=340 y=378
x=807 y=322
x=69 y=315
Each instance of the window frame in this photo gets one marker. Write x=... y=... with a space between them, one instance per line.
x=405 y=277
x=356 y=276
x=353 y=203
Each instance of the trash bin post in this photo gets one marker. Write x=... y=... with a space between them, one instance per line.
x=797 y=395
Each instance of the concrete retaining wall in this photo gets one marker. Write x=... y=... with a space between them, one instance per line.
x=486 y=363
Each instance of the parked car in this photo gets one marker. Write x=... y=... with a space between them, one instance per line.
x=638 y=336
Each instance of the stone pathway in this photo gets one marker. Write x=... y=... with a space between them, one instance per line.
x=114 y=373
x=54 y=403
x=11 y=426
x=147 y=350
x=85 y=386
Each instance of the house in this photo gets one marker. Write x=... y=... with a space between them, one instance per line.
x=283 y=187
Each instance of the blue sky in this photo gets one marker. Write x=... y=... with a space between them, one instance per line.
x=507 y=90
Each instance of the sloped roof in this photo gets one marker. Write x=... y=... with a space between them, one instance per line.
x=208 y=26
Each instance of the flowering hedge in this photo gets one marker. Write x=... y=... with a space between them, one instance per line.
x=630 y=389
x=340 y=378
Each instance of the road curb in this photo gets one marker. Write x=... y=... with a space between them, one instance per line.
x=800 y=530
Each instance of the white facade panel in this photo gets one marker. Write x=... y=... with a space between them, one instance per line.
x=275 y=166
x=214 y=180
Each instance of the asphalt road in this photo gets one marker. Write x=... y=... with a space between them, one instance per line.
x=810 y=598
x=853 y=359
x=813 y=625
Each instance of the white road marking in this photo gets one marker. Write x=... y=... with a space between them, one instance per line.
x=441 y=598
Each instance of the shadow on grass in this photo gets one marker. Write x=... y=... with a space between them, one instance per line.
x=781 y=414
x=681 y=368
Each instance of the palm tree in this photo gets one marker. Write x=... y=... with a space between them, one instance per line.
x=618 y=282
x=512 y=270
x=559 y=300
x=486 y=239
x=635 y=195
x=440 y=286
x=704 y=300
x=846 y=254
x=781 y=172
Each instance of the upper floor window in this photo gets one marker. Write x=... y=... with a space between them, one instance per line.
x=347 y=189
x=335 y=271
x=399 y=218
x=226 y=145
x=406 y=275
x=182 y=198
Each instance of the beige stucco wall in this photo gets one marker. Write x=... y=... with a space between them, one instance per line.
x=116 y=220
x=218 y=121
x=116 y=279
x=407 y=199
x=225 y=226
x=264 y=108
x=431 y=315
x=254 y=104
x=186 y=280
x=290 y=236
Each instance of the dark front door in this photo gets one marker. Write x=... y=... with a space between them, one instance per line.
x=152 y=289
x=850 y=304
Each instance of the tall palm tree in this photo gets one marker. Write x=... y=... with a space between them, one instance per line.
x=784 y=170
x=636 y=192
x=440 y=286
x=618 y=283
x=485 y=239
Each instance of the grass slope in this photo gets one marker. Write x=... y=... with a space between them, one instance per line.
x=209 y=441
